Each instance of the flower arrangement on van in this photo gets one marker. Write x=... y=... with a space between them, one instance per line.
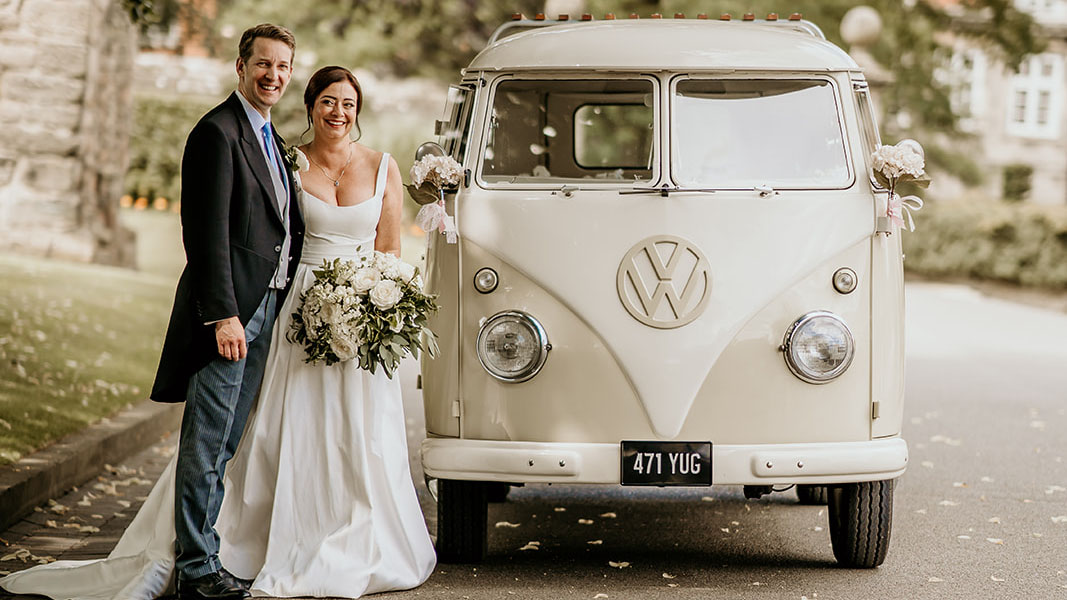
x=373 y=311
x=893 y=165
x=431 y=176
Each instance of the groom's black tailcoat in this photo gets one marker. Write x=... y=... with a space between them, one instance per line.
x=233 y=231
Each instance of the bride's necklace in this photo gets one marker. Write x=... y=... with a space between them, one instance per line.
x=336 y=182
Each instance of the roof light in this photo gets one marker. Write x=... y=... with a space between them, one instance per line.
x=702 y=16
x=609 y=17
x=655 y=16
x=795 y=17
x=635 y=16
x=724 y=17
x=679 y=15
x=772 y=16
x=563 y=18
x=748 y=17
x=587 y=17
x=516 y=16
x=539 y=17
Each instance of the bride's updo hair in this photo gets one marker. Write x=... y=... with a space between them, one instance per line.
x=324 y=78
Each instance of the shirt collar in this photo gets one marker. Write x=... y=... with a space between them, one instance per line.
x=254 y=116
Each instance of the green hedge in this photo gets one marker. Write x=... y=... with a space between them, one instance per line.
x=157 y=140
x=1024 y=244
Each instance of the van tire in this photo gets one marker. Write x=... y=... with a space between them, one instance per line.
x=462 y=512
x=498 y=492
x=861 y=518
x=812 y=494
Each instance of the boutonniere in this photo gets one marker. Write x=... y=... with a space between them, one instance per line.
x=296 y=159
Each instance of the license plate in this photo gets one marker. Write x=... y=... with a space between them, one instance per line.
x=666 y=463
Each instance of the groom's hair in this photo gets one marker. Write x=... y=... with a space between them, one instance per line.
x=324 y=78
x=264 y=30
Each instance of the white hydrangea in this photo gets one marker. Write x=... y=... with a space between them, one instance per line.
x=439 y=171
x=895 y=161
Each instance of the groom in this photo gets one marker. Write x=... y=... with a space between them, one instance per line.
x=242 y=231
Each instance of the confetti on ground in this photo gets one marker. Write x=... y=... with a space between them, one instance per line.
x=559 y=509
x=585 y=521
x=921 y=511
x=934 y=579
x=987 y=479
x=1060 y=519
x=994 y=520
x=532 y=545
x=618 y=565
x=707 y=499
x=997 y=541
x=608 y=515
x=995 y=578
x=948 y=503
x=944 y=439
x=668 y=576
x=601 y=595
x=963 y=537
x=959 y=484
x=595 y=542
x=507 y=524
x=1052 y=489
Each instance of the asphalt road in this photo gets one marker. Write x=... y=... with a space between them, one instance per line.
x=981 y=512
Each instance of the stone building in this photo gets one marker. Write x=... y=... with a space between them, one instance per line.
x=1018 y=118
x=65 y=102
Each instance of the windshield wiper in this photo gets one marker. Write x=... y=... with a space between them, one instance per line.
x=665 y=190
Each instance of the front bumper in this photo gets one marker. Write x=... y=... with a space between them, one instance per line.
x=754 y=464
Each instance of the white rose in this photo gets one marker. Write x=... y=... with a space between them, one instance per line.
x=385 y=294
x=332 y=313
x=365 y=279
x=405 y=271
x=344 y=347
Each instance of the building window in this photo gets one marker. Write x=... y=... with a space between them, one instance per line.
x=1035 y=94
x=964 y=73
x=1045 y=11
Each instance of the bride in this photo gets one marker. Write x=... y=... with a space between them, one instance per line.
x=319 y=499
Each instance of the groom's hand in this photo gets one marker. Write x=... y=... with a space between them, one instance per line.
x=230 y=336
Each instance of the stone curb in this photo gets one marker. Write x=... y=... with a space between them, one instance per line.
x=79 y=457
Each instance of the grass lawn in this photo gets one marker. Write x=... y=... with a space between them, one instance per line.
x=80 y=342
x=77 y=343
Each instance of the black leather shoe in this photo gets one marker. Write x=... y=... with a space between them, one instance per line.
x=213 y=586
x=242 y=583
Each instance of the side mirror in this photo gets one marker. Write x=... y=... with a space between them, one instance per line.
x=429 y=148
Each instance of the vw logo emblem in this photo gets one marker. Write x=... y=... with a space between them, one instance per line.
x=664 y=282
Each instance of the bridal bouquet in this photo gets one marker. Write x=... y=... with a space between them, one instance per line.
x=372 y=310
x=898 y=164
x=430 y=176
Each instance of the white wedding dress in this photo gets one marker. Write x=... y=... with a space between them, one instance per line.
x=319 y=499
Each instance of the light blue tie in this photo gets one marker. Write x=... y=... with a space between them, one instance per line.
x=268 y=143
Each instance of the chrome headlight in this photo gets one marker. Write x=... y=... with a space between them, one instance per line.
x=818 y=347
x=512 y=346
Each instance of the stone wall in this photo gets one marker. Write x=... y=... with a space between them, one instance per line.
x=65 y=103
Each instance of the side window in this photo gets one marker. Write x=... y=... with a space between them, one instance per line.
x=454 y=129
x=869 y=131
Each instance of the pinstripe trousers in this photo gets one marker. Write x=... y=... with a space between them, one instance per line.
x=217 y=404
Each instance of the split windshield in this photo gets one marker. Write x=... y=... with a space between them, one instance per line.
x=546 y=131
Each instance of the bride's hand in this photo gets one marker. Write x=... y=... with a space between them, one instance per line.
x=230 y=337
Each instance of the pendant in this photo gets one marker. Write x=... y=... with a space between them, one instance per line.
x=337 y=183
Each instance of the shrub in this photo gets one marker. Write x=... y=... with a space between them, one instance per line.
x=157 y=140
x=1017 y=179
x=1023 y=244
